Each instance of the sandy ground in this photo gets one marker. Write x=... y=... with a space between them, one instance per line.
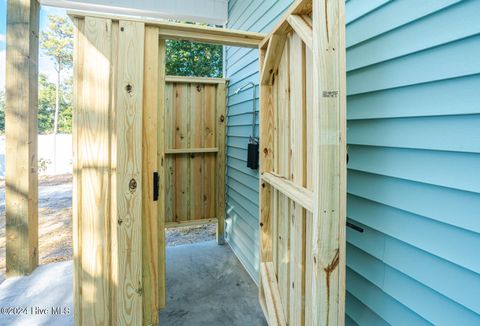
x=55 y=223
x=54 y=217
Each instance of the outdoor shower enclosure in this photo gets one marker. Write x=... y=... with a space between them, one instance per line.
x=149 y=153
x=126 y=143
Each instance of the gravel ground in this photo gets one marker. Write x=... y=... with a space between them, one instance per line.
x=55 y=223
x=190 y=234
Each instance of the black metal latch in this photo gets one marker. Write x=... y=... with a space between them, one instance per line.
x=156 y=185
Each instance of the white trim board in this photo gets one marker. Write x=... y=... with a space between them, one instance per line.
x=204 y=11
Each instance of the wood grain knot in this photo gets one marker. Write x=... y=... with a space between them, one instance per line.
x=132 y=185
x=129 y=88
x=199 y=88
x=333 y=264
x=222 y=118
x=265 y=151
x=140 y=291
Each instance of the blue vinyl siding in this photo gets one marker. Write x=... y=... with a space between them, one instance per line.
x=413 y=110
x=242 y=183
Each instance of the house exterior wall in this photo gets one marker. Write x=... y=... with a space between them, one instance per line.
x=413 y=110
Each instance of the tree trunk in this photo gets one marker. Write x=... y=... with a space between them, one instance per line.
x=55 y=121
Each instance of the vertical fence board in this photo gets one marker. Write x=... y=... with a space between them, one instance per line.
x=161 y=172
x=129 y=172
x=209 y=134
x=113 y=173
x=94 y=154
x=196 y=190
x=283 y=103
x=169 y=160
x=298 y=152
x=182 y=167
x=309 y=185
x=79 y=45
x=266 y=155
x=275 y=157
x=150 y=218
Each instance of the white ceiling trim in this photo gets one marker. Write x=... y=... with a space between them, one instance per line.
x=203 y=11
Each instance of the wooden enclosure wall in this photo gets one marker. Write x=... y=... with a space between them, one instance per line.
x=303 y=167
x=195 y=151
x=118 y=277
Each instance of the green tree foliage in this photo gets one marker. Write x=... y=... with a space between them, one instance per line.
x=57 y=43
x=46 y=106
x=184 y=58
x=65 y=118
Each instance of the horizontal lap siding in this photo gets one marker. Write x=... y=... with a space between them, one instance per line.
x=413 y=83
x=242 y=183
x=413 y=111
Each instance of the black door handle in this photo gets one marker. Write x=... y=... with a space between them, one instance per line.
x=156 y=185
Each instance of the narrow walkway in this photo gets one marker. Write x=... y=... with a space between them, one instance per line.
x=207 y=285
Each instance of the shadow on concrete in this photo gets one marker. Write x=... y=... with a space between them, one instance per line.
x=207 y=285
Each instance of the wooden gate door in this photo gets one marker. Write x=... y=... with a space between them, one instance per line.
x=195 y=152
x=303 y=167
x=119 y=259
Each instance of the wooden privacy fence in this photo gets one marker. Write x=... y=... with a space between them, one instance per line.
x=195 y=152
x=303 y=167
x=147 y=148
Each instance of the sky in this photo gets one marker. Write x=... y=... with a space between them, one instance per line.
x=45 y=64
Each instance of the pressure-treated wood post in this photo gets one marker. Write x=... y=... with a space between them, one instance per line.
x=221 y=161
x=153 y=228
x=329 y=162
x=21 y=137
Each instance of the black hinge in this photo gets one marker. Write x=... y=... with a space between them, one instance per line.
x=156 y=185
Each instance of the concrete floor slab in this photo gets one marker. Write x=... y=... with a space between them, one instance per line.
x=207 y=285
x=42 y=298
